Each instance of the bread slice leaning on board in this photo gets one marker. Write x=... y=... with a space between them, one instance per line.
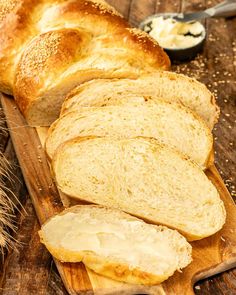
x=169 y=86
x=170 y=123
x=141 y=177
x=115 y=244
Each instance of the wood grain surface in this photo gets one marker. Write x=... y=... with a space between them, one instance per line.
x=215 y=67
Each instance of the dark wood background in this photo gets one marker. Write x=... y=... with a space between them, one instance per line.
x=28 y=269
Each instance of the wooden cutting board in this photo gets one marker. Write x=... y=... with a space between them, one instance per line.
x=210 y=256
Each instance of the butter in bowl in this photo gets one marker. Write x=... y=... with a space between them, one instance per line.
x=182 y=41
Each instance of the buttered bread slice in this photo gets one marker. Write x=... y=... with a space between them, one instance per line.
x=115 y=244
x=170 y=123
x=169 y=86
x=143 y=178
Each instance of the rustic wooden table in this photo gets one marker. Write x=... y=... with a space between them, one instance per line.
x=28 y=269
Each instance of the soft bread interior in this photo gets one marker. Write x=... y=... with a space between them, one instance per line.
x=170 y=123
x=143 y=178
x=170 y=86
x=111 y=234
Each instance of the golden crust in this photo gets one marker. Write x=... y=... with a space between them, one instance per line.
x=84 y=15
x=141 y=45
x=30 y=62
x=122 y=272
x=151 y=47
x=6 y=7
x=16 y=28
x=22 y=20
x=90 y=8
x=45 y=57
x=114 y=270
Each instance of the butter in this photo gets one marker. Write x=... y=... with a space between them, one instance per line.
x=171 y=34
x=118 y=239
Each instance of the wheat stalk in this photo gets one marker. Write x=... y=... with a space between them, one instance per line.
x=7 y=205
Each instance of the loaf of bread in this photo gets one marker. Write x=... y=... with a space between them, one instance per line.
x=143 y=178
x=169 y=86
x=101 y=147
x=49 y=47
x=170 y=123
x=115 y=244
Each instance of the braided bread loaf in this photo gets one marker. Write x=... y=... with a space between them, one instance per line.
x=48 y=47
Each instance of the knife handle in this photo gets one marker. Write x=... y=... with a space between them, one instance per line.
x=224 y=9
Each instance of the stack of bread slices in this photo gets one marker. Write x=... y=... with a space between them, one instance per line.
x=139 y=146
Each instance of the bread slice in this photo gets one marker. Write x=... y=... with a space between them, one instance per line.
x=115 y=244
x=143 y=178
x=167 y=85
x=170 y=123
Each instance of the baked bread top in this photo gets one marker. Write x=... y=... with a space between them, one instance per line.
x=49 y=47
x=23 y=20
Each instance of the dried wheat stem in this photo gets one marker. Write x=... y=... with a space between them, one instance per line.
x=7 y=205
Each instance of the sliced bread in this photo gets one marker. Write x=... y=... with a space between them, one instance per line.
x=167 y=85
x=170 y=123
x=143 y=178
x=115 y=244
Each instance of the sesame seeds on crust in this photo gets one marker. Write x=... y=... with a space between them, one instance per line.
x=104 y=7
x=6 y=7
